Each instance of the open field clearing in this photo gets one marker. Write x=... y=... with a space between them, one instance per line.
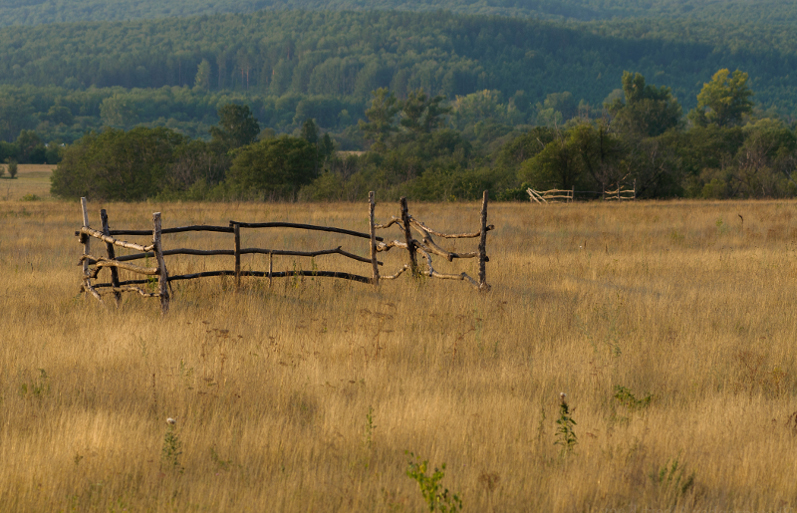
x=32 y=179
x=670 y=326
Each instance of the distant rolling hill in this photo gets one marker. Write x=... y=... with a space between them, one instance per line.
x=34 y=12
x=172 y=62
x=352 y=53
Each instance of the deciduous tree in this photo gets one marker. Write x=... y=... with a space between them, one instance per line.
x=273 y=168
x=646 y=110
x=724 y=100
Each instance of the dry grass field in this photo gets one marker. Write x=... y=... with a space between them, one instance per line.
x=32 y=180
x=306 y=395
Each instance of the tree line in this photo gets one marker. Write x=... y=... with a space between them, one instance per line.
x=722 y=148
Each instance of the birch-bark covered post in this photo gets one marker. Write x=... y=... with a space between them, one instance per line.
x=106 y=229
x=483 y=246
x=85 y=239
x=374 y=262
x=163 y=275
x=237 y=231
x=405 y=217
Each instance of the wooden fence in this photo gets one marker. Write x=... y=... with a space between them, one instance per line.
x=552 y=196
x=621 y=194
x=425 y=246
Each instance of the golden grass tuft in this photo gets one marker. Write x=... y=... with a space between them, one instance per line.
x=271 y=388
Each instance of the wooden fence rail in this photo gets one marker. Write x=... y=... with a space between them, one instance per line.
x=551 y=196
x=621 y=194
x=425 y=246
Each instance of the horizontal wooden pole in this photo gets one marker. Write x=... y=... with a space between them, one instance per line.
x=124 y=283
x=116 y=242
x=256 y=274
x=392 y=244
x=179 y=229
x=462 y=277
x=399 y=273
x=394 y=220
x=434 y=274
x=245 y=251
x=304 y=227
x=130 y=288
x=181 y=251
x=429 y=245
x=281 y=274
x=449 y=235
x=306 y=253
x=107 y=262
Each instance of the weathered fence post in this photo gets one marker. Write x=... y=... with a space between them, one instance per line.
x=163 y=275
x=374 y=262
x=112 y=255
x=483 y=246
x=85 y=240
x=270 y=267
x=405 y=217
x=237 y=231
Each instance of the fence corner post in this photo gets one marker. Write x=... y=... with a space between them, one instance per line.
x=483 y=246
x=163 y=275
x=374 y=262
x=405 y=217
x=106 y=229
x=86 y=247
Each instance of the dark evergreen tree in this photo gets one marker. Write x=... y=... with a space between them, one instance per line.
x=237 y=127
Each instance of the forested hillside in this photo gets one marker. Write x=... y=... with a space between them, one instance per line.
x=292 y=65
x=765 y=12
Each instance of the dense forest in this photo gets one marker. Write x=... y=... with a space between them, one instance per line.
x=61 y=80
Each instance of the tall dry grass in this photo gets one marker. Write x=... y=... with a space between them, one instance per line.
x=272 y=387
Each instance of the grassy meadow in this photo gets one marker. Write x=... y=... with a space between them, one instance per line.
x=32 y=182
x=669 y=325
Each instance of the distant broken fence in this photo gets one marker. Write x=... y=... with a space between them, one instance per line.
x=426 y=246
x=621 y=193
x=552 y=195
